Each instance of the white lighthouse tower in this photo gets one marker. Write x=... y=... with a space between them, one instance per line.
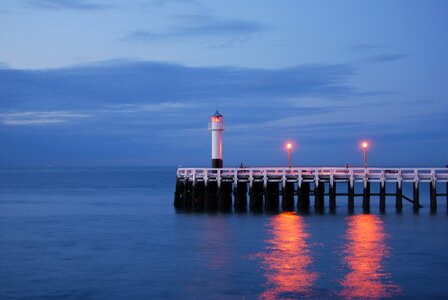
x=216 y=126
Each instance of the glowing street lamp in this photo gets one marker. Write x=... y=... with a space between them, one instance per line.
x=289 y=148
x=364 y=148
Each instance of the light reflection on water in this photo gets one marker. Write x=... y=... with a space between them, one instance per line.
x=364 y=254
x=287 y=260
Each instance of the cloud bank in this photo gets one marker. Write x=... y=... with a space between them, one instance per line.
x=152 y=111
x=85 y=5
x=210 y=29
x=127 y=82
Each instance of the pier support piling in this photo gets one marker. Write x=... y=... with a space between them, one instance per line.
x=288 y=197
x=382 y=196
x=416 y=196
x=256 y=196
x=351 y=195
x=332 y=197
x=211 y=195
x=188 y=194
x=366 y=196
x=179 y=193
x=198 y=194
x=225 y=195
x=272 y=196
x=240 y=191
x=433 y=195
x=319 y=191
x=399 y=196
x=303 y=202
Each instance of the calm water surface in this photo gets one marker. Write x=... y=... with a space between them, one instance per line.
x=114 y=234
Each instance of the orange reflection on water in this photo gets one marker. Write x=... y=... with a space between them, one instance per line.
x=364 y=255
x=288 y=259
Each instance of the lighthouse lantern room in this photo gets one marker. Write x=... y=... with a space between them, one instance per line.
x=216 y=126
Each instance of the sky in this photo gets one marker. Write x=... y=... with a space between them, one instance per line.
x=134 y=83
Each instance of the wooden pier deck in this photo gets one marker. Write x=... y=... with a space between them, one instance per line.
x=215 y=188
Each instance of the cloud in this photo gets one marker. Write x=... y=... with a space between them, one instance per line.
x=109 y=111
x=385 y=57
x=151 y=83
x=67 y=4
x=160 y=3
x=376 y=58
x=142 y=108
x=142 y=95
x=213 y=30
x=40 y=117
x=366 y=47
x=157 y=113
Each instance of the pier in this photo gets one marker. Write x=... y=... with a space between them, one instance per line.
x=291 y=188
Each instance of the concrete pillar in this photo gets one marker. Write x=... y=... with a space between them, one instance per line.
x=382 y=196
x=366 y=196
x=304 y=196
x=211 y=195
x=416 y=195
x=240 y=192
x=272 y=196
x=433 y=195
x=179 y=193
x=256 y=196
x=288 y=197
x=399 y=197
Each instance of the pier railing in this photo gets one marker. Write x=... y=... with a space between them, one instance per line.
x=313 y=174
x=211 y=188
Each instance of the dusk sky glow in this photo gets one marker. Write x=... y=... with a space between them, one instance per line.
x=134 y=83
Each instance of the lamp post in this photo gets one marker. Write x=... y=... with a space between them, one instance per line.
x=289 y=148
x=364 y=148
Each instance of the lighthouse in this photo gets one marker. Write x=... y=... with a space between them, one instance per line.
x=216 y=126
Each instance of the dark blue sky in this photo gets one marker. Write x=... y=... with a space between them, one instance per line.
x=105 y=83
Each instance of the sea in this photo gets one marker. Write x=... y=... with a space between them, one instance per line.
x=113 y=233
